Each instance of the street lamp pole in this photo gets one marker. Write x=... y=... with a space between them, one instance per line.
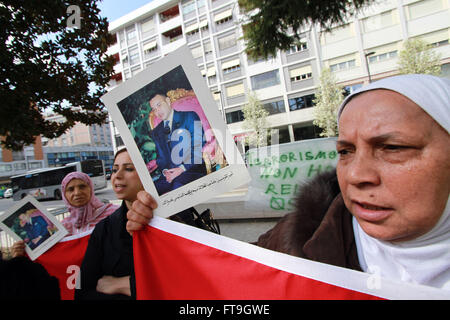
x=367 y=63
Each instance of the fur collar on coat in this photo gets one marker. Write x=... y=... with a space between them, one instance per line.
x=320 y=228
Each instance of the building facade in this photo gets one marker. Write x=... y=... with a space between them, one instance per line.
x=365 y=48
x=59 y=156
x=81 y=142
x=80 y=134
x=18 y=162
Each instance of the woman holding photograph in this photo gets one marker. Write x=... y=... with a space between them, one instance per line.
x=107 y=270
x=85 y=209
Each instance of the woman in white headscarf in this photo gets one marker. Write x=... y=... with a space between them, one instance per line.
x=387 y=209
x=387 y=212
x=394 y=175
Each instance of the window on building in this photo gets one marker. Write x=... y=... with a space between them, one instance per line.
x=352 y=88
x=173 y=34
x=35 y=165
x=131 y=35
x=149 y=47
x=125 y=59
x=440 y=43
x=379 y=21
x=337 y=34
x=424 y=8
x=197 y=52
x=211 y=75
x=20 y=166
x=191 y=29
x=121 y=36
x=235 y=90
x=302 y=46
x=304 y=132
x=134 y=56
x=345 y=65
x=223 y=16
x=301 y=102
x=265 y=80
x=207 y=47
x=210 y=71
x=437 y=38
x=18 y=155
x=203 y=25
x=231 y=69
x=6 y=168
x=274 y=107
x=227 y=41
x=188 y=7
x=282 y=135
x=235 y=116
x=301 y=73
x=148 y=27
x=169 y=13
x=383 y=56
x=216 y=96
x=231 y=66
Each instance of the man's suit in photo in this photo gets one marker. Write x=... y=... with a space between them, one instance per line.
x=180 y=145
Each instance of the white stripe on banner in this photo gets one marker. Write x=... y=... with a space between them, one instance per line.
x=77 y=236
x=342 y=277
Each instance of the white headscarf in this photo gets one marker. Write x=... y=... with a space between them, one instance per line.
x=426 y=259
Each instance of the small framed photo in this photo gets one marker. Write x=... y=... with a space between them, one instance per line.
x=175 y=134
x=29 y=221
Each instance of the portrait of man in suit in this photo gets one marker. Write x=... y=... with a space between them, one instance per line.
x=179 y=139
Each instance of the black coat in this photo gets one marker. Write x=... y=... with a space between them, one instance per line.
x=109 y=252
x=23 y=279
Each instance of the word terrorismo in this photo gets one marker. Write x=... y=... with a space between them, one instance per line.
x=291 y=156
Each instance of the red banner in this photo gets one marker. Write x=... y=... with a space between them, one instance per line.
x=63 y=261
x=168 y=266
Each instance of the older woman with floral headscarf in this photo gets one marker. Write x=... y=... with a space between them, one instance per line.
x=386 y=208
x=84 y=207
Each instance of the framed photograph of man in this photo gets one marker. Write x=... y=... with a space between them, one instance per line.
x=175 y=134
x=29 y=221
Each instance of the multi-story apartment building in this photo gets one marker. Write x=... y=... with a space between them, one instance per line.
x=365 y=48
x=81 y=142
x=80 y=134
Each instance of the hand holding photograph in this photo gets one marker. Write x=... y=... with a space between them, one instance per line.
x=175 y=134
x=30 y=222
